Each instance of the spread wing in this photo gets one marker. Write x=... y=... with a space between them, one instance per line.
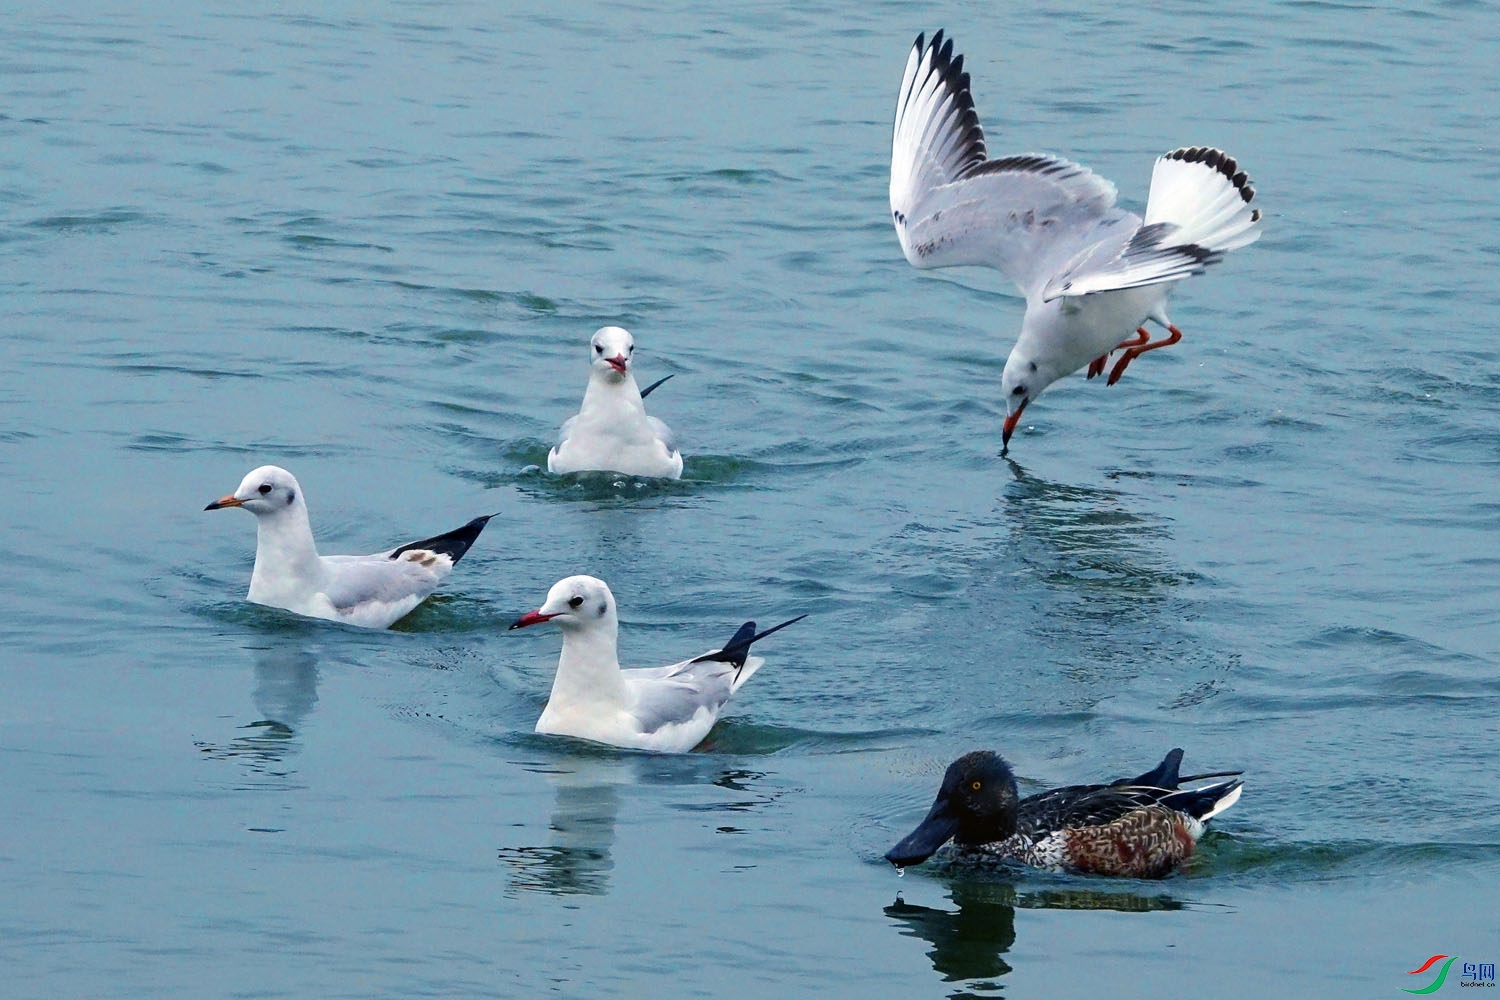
x=953 y=205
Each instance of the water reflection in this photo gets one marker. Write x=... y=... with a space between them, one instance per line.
x=1089 y=536
x=285 y=693
x=578 y=858
x=968 y=944
x=1087 y=583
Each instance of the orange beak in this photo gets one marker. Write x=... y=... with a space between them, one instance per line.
x=618 y=363
x=229 y=501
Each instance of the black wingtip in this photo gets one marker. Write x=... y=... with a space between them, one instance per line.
x=452 y=544
x=652 y=387
x=737 y=649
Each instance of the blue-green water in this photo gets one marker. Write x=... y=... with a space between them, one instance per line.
x=370 y=245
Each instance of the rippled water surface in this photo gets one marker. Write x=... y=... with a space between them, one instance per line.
x=371 y=244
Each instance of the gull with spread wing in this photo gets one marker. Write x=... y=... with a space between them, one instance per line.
x=1092 y=273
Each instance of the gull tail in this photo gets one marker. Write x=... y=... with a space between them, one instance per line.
x=1205 y=196
x=452 y=544
x=738 y=647
x=647 y=391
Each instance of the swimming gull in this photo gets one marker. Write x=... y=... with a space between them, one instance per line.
x=668 y=709
x=612 y=432
x=371 y=591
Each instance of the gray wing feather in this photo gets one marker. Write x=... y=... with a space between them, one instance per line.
x=664 y=433
x=354 y=580
x=1016 y=218
x=674 y=695
x=565 y=432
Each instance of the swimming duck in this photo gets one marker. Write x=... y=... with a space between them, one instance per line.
x=1141 y=827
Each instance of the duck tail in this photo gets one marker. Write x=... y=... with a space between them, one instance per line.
x=1204 y=803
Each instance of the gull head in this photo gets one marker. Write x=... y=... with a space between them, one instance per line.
x=1021 y=382
x=579 y=602
x=610 y=351
x=266 y=491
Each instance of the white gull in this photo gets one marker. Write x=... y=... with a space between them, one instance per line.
x=1092 y=273
x=668 y=709
x=371 y=591
x=612 y=432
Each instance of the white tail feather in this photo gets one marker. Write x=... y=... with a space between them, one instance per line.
x=1224 y=803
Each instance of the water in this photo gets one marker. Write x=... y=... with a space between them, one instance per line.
x=371 y=245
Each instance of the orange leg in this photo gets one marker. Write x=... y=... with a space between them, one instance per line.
x=1096 y=367
x=1135 y=352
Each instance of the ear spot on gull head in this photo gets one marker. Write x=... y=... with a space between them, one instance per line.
x=603 y=607
x=290 y=496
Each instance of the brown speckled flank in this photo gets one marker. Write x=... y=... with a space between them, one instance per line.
x=1147 y=843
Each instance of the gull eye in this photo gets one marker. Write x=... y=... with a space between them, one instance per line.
x=265 y=488
x=576 y=602
x=976 y=785
x=1019 y=390
x=598 y=348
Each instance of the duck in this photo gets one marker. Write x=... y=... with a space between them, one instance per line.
x=1092 y=273
x=370 y=591
x=612 y=431
x=1144 y=827
x=664 y=709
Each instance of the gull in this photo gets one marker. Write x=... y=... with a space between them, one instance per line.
x=611 y=432
x=667 y=709
x=1092 y=273
x=371 y=591
x=1142 y=827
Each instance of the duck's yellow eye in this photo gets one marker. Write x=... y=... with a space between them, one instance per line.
x=976 y=785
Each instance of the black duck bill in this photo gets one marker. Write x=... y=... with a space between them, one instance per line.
x=933 y=832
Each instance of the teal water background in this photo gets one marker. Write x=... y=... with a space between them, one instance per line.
x=370 y=244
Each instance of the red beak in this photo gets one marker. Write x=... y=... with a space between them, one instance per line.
x=531 y=618
x=1010 y=427
x=618 y=363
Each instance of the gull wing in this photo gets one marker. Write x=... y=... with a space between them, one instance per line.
x=952 y=205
